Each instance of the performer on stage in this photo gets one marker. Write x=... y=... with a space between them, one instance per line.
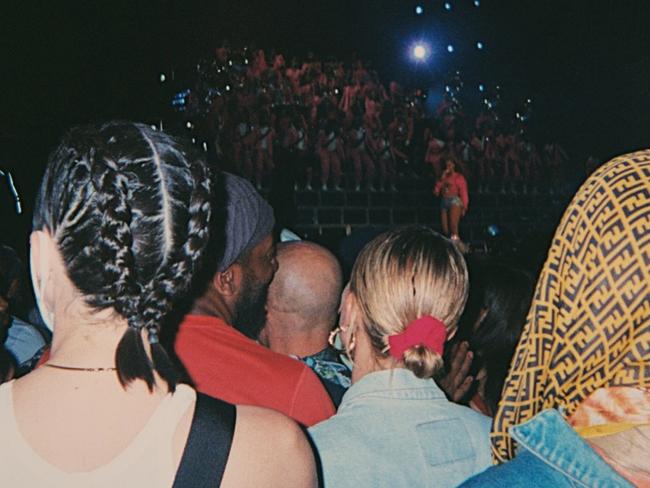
x=452 y=188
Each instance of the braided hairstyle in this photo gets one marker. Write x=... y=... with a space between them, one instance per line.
x=130 y=210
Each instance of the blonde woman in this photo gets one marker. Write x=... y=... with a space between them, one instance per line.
x=395 y=427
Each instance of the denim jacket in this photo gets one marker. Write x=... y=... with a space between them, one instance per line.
x=550 y=453
x=396 y=430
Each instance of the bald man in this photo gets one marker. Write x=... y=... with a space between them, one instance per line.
x=302 y=308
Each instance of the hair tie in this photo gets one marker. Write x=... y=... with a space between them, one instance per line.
x=427 y=331
x=153 y=336
x=135 y=322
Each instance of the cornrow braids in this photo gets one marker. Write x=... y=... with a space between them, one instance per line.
x=114 y=244
x=160 y=292
x=130 y=209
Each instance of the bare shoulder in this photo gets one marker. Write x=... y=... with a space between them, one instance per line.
x=269 y=449
x=271 y=431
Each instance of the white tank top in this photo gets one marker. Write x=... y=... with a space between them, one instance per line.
x=301 y=140
x=147 y=461
x=264 y=140
x=331 y=146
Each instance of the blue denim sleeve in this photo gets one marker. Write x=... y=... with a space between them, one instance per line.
x=525 y=471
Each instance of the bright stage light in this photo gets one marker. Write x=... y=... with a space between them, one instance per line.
x=419 y=10
x=419 y=52
x=447 y=6
x=477 y=3
x=450 y=48
x=479 y=45
x=481 y=87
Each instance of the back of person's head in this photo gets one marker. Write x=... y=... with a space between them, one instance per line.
x=404 y=275
x=588 y=328
x=499 y=299
x=129 y=209
x=245 y=219
x=307 y=285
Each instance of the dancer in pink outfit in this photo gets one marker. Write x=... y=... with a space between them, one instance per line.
x=452 y=188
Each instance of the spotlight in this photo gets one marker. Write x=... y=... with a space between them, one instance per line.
x=420 y=52
x=162 y=77
x=419 y=10
x=481 y=88
x=189 y=124
x=479 y=45
x=450 y=48
x=447 y=6
x=477 y=3
x=447 y=88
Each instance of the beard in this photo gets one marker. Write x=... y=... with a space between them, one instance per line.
x=250 y=309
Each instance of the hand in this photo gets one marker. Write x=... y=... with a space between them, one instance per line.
x=456 y=383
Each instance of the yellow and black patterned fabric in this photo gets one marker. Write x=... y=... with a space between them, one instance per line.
x=589 y=323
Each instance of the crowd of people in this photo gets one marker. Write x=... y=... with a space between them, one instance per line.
x=173 y=341
x=311 y=121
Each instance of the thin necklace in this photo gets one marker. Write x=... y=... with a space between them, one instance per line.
x=71 y=368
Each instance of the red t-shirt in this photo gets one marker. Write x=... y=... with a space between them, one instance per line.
x=226 y=364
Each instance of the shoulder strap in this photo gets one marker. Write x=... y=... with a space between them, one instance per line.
x=208 y=444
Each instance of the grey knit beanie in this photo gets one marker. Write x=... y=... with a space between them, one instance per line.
x=249 y=218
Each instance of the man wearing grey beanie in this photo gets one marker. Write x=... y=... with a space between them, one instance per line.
x=217 y=341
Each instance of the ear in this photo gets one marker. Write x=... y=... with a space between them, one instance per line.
x=43 y=258
x=350 y=313
x=228 y=282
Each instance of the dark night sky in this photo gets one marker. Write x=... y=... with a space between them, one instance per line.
x=585 y=63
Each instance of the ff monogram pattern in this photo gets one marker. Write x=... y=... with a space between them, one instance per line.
x=589 y=323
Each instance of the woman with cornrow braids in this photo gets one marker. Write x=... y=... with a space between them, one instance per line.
x=121 y=225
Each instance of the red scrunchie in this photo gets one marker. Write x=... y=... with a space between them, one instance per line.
x=427 y=331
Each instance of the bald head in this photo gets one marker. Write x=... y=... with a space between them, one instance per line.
x=306 y=286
